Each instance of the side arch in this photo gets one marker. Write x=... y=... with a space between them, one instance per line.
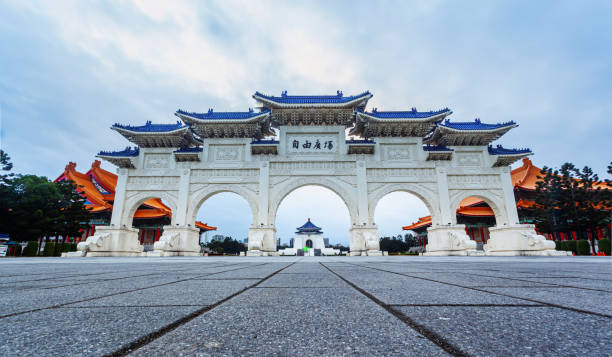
x=132 y=204
x=278 y=194
x=490 y=198
x=423 y=193
x=197 y=199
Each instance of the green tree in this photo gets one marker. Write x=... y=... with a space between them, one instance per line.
x=74 y=215
x=33 y=208
x=6 y=193
x=571 y=199
x=546 y=201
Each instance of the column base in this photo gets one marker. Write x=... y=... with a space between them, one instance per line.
x=363 y=239
x=111 y=242
x=449 y=240
x=261 y=253
x=262 y=238
x=519 y=240
x=177 y=241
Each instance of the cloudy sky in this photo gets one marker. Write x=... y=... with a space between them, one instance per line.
x=70 y=69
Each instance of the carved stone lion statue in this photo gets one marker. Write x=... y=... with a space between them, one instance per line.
x=537 y=241
x=98 y=242
x=461 y=241
x=168 y=242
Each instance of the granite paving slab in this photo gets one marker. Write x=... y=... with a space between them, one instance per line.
x=393 y=289
x=198 y=292
x=83 y=331
x=517 y=331
x=311 y=322
x=589 y=300
x=304 y=280
x=26 y=300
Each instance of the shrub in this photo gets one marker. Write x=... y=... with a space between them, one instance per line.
x=57 y=252
x=604 y=245
x=65 y=247
x=583 y=247
x=31 y=249
x=571 y=246
x=49 y=249
x=559 y=245
x=73 y=247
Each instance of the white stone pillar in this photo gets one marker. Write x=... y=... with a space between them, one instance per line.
x=264 y=193
x=509 y=200
x=119 y=201
x=180 y=216
x=362 y=195
x=262 y=235
x=446 y=211
x=363 y=233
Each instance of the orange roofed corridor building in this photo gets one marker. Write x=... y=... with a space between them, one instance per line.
x=97 y=186
x=478 y=216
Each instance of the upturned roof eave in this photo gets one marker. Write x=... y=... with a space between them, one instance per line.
x=436 y=117
x=348 y=104
x=254 y=119
x=143 y=133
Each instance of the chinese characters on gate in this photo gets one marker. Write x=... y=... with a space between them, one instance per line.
x=329 y=144
x=312 y=144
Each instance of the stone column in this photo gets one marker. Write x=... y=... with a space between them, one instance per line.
x=509 y=200
x=446 y=217
x=182 y=238
x=511 y=237
x=444 y=237
x=262 y=235
x=118 y=239
x=363 y=233
x=119 y=201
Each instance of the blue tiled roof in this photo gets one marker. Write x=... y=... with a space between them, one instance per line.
x=128 y=152
x=361 y=141
x=308 y=227
x=339 y=98
x=186 y=150
x=436 y=148
x=222 y=115
x=264 y=142
x=475 y=125
x=151 y=128
x=4 y=235
x=500 y=150
x=404 y=114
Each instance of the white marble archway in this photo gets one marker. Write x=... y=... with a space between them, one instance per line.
x=199 y=197
x=278 y=194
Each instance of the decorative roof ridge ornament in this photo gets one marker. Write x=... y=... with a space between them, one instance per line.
x=500 y=150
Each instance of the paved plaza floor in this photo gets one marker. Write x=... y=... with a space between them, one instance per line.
x=279 y=306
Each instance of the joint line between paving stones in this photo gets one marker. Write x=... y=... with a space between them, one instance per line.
x=119 y=293
x=531 y=281
x=466 y=305
x=427 y=333
x=145 y=340
x=491 y=292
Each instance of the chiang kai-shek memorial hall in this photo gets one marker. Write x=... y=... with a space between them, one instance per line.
x=292 y=141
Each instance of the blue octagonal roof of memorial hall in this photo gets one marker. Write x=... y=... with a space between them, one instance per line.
x=413 y=113
x=127 y=152
x=150 y=127
x=475 y=125
x=308 y=227
x=339 y=98
x=212 y=115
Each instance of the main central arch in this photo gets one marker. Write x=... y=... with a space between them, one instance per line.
x=295 y=141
